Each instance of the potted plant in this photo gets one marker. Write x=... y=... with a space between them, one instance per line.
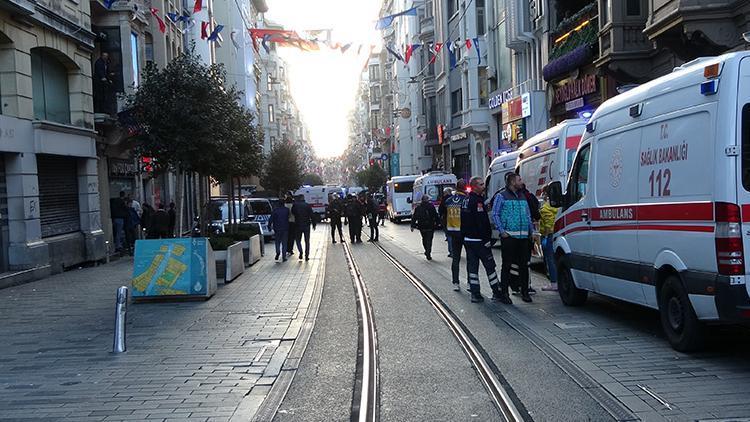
x=228 y=254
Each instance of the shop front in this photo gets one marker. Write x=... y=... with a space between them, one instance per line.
x=460 y=155
x=122 y=177
x=575 y=97
x=514 y=126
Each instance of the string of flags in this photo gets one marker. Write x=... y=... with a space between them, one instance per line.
x=435 y=48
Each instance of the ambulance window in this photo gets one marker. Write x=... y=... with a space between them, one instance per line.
x=580 y=176
x=746 y=147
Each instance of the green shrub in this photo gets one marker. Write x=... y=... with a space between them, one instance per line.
x=221 y=243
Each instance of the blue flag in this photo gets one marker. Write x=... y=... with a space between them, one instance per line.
x=398 y=56
x=451 y=54
x=476 y=45
x=386 y=21
x=173 y=17
x=108 y=3
x=215 y=33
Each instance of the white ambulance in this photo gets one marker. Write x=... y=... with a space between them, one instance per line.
x=432 y=184
x=657 y=206
x=547 y=156
x=398 y=197
x=499 y=168
x=317 y=197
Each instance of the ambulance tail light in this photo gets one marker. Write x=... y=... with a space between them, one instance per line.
x=729 y=250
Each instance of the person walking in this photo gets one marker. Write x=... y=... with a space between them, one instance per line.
x=547 y=215
x=452 y=226
x=382 y=210
x=354 y=216
x=160 y=224
x=292 y=235
x=131 y=227
x=304 y=218
x=372 y=218
x=148 y=211
x=335 y=211
x=477 y=237
x=535 y=239
x=443 y=212
x=512 y=218
x=279 y=223
x=172 y=219
x=119 y=211
x=425 y=218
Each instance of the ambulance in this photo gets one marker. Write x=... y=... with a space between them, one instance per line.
x=432 y=184
x=499 y=168
x=657 y=205
x=547 y=156
x=399 y=196
x=317 y=197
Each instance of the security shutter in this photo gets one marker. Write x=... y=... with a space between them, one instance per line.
x=58 y=195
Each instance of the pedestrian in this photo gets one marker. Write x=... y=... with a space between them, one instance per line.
x=119 y=212
x=354 y=215
x=425 y=218
x=148 y=211
x=131 y=226
x=452 y=224
x=335 y=211
x=382 y=210
x=477 y=237
x=535 y=239
x=372 y=218
x=443 y=212
x=279 y=223
x=512 y=218
x=292 y=235
x=304 y=218
x=547 y=215
x=172 y=219
x=160 y=223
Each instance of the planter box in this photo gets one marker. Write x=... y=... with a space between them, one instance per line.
x=173 y=269
x=230 y=263
x=254 y=252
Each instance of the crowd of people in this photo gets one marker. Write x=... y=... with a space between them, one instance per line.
x=132 y=221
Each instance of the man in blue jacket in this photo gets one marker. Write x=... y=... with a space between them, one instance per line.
x=279 y=223
x=477 y=234
x=512 y=218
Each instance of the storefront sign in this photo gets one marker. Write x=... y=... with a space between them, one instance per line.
x=572 y=105
x=496 y=101
x=395 y=165
x=122 y=168
x=517 y=108
x=577 y=88
x=459 y=136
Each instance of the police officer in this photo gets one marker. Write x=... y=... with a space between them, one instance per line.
x=335 y=212
x=477 y=237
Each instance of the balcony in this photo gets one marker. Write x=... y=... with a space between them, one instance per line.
x=573 y=42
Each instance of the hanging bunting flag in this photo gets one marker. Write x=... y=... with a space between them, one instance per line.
x=215 y=33
x=283 y=38
x=395 y=54
x=451 y=54
x=438 y=46
x=173 y=17
x=198 y=6
x=386 y=21
x=468 y=44
x=359 y=50
x=266 y=47
x=410 y=50
x=233 y=37
x=108 y=3
x=345 y=47
x=155 y=13
x=479 y=55
x=204 y=30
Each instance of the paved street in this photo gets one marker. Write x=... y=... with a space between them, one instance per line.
x=245 y=353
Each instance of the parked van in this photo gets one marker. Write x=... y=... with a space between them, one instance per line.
x=499 y=168
x=547 y=156
x=657 y=206
x=317 y=197
x=399 y=197
x=432 y=185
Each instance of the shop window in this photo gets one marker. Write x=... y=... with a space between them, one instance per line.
x=49 y=84
x=58 y=195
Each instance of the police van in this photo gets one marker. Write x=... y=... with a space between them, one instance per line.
x=657 y=206
x=547 y=156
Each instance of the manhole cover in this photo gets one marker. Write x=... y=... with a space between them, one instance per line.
x=572 y=325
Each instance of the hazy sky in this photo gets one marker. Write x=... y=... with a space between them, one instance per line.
x=324 y=83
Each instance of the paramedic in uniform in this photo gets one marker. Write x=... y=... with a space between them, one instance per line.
x=452 y=221
x=477 y=237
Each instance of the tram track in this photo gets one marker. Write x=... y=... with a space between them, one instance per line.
x=365 y=403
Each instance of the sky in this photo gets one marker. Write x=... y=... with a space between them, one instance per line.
x=324 y=83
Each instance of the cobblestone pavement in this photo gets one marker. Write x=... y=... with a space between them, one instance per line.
x=208 y=360
x=612 y=344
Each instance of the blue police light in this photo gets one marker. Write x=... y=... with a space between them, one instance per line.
x=554 y=142
x=535 y=149
x=710 y=87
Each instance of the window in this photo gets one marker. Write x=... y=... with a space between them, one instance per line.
x=149 y=47
x=271 y=117
x=374 y=122
x=456 y=101
x=580 y=177
x=604 y=12
x=452 y=7
x=633 y=7
x=58 y=195
x=374 y=94
x=269 y=83
x=134 y=58
x=481 y=24
x=403 y=187
x=428 y=12
x=374 y=72
x=272 y=141
x=483 y=94
x=746 y=146
x=49 y=84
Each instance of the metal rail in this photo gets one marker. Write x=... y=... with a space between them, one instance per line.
x=365 y=404
x=494 y=387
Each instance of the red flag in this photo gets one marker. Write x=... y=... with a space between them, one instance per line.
x=438 y=46
x=468 y=44
x=155 y=13
x=204 y=30
x=409 y=51
x=198 y=6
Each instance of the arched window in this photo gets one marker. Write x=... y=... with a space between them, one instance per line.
x=49 y=83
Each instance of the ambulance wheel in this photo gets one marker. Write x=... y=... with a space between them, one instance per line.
x=682 y=327
x=566 y=287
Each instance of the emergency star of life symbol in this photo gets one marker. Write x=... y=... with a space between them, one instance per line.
x=615 y=168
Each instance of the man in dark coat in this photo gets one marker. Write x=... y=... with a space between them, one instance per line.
x=335 y=212
x=425 y=218
x=172 y=219
x=279 y=223
x=159 y=224
x=304 y=217
x=119 y=211
x=354 y=213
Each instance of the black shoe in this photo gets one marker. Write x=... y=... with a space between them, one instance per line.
x=526 y=298
x=532 y=291
x=300 y=257
x=334 y=241
x=477 y=298
x=342 y=241
x=456 y=287
x=283 y=260
x=429 y=257
x=307 y=258
x=277 y=257
x=502 y=298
